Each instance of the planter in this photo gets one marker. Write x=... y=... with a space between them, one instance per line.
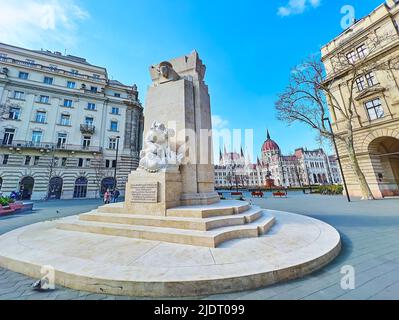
x=6 y=210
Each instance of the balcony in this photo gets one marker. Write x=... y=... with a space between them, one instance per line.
x=48 y=146
x=87 y=128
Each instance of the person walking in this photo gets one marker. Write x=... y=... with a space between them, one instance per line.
x=107 y=197
x=116 y=195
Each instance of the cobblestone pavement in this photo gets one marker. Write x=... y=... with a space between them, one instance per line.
x=370 y=236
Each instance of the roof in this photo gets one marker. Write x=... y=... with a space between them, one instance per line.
x=269 y=144
x=63 y=57
x=57 y=55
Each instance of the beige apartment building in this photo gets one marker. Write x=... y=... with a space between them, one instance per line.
x=62 y=122
x=374 y=42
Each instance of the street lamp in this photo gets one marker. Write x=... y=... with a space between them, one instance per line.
x=338 y=158
x=116 y=161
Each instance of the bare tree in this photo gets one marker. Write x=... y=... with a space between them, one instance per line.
x=98 y=164
x=310 y=91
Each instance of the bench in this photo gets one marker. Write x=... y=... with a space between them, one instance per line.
x=257 y=194
x=280 y=194
x=236 y=194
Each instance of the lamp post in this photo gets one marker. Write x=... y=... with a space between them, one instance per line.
x=338 y=158
x=116 y=161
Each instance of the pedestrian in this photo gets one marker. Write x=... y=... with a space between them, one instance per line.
x=116 y=195
x=107 y=197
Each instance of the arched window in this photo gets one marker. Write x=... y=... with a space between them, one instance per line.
x=80 y=190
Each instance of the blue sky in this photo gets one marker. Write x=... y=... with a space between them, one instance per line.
x=248 y=47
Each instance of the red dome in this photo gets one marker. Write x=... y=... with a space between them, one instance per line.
x=270 y=145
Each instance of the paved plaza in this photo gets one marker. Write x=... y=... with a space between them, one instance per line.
x=370 y=236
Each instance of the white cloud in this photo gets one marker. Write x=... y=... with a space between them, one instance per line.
x=219 y=123
x=297 y=7
x=40 y=22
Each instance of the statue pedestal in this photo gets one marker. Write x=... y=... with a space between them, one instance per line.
x=153 y=193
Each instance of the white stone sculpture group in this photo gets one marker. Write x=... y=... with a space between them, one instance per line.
x=157 y=154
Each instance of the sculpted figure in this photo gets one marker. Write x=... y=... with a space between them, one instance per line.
x=157 y=154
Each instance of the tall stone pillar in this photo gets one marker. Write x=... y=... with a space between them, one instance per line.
x=179 y=98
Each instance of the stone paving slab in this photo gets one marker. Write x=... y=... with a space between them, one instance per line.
x=369 y=231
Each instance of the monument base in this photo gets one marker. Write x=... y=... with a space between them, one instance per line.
x=296 y=246
x=152 y=193
x=191 y=199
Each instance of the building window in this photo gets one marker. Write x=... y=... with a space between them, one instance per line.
x=86 y=142
x=80 y=162
x=112 y=143
x=361 y=83
x=40 y=117
x=371 y=80
x=374 y=109
x=115 y=110
x=64 y=162
x=19 y=95
x=91 y=106
x=107 y=163
x=71 y=84
x=48 y=80
x=89 y=121
x=68 y=103
x=8 y=136
x=114 y=126
x=5 y=159
x=65 y=120
x=27 y=160
x=93 y=89
x=117 y=95
x=14 y=113
x=36 y=137
x=362 y=51
x=44 y=99
x=23 y=75
x=88 y=163
x=351 y=56
x=36 y=161
x=113 y=163
x=61 y=140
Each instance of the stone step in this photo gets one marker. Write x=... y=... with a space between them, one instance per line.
x=200 y=224
x=222 y=208
x=209 y=239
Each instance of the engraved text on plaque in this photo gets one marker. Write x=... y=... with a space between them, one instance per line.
x=144 y=192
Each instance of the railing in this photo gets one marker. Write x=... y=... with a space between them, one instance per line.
x=50 y=69
x=47 y=146
x=87 y=128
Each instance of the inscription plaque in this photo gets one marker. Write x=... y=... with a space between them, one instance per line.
x=144 y=192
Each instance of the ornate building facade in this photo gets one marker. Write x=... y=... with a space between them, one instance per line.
x=62 y=122
x=373 y=43
x=304 y=168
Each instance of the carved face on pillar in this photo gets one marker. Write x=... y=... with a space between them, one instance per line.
x=167 y=72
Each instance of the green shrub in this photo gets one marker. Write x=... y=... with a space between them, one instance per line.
x=331 y=190
x=4 y=201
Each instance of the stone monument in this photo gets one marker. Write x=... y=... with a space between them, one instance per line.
x=176 y=164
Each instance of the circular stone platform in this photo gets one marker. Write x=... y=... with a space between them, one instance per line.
x=295 y=246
